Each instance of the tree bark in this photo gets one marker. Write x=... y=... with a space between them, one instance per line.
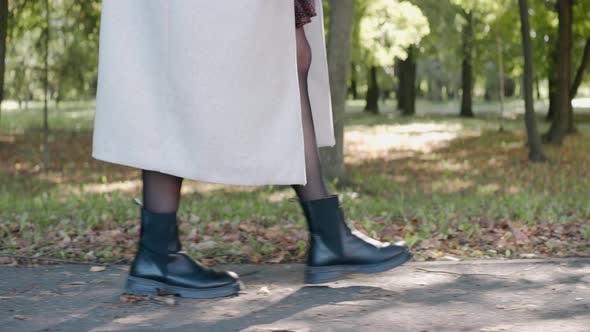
x=373 y=93
x=399 y=72
x=561 y=119
x=46 y=37
x=552 y=80
x=501 y=79
x=467 y=71
x=353 y=81
x=534 y=142
x=338 y=47
x=408 y=85
x=552 y=83
x=3 y=34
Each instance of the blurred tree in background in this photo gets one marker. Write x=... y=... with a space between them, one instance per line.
x=437 y=50
x=73 y=50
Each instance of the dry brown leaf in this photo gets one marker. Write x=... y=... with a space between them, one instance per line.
x=131 y=298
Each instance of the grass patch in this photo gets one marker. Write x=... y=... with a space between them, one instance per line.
x=445 y=185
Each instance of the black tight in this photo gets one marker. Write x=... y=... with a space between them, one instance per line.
x=161 y=192
x=315 y=187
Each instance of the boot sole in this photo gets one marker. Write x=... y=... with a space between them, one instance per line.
x=142 y=286
x=324 y=274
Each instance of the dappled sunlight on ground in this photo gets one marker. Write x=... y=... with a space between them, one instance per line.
x=189 y=187
x=7 y=139
x=102 y=188
x=399 y=141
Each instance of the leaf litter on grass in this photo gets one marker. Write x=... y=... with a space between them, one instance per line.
x=473 y=197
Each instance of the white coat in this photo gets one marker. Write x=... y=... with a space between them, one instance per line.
x=208 y=90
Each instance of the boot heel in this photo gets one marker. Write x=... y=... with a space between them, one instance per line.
x=314 y=276
x=136 y=287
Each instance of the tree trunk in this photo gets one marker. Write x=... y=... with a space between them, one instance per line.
x=3 y=34
x=399 y=72
x=576 y=84
x=467 y=74
x=372 y=105
x=534 y=142
x=46 y=38
x=408 y=85
x=502 y=90
x=338 y=47
x=561 y=119
x=353 y=81
x=552 y=80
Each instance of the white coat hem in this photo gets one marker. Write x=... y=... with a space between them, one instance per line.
x=241 y=179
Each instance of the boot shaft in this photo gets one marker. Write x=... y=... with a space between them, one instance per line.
x=327 y=229
x=158 y=231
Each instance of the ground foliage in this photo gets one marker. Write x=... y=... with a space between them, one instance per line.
x=450 y=188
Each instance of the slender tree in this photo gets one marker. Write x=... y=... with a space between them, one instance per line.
x=501 y=90
x=387 y=31
x=561 y=119
x=338 y=46
x=46 y=39
x=3 y=34
x=353 y=81
x=552 y=80
x=534 y=142
x=467 y=71
x=373 y=91
x=407 y=84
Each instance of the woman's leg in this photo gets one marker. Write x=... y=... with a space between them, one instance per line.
x=334 y=250
x=161 y=192
x=315 y=187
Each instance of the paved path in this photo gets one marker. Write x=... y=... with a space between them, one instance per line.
x=517 y=295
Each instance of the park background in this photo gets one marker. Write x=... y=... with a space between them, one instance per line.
x=436 y=145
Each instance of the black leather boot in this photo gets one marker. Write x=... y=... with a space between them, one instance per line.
x=335 y=249
x=159 y=264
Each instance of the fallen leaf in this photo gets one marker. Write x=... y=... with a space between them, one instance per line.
x=231 y=313
x=131 y=320
x=97 y=268
x=72 y=284
x=130 y=298
x=497 y=328
x=165 y=300
x=517 y=306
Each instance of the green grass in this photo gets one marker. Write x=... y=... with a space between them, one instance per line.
x=443 y=184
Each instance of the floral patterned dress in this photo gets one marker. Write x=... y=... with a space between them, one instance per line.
x=304 y=11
